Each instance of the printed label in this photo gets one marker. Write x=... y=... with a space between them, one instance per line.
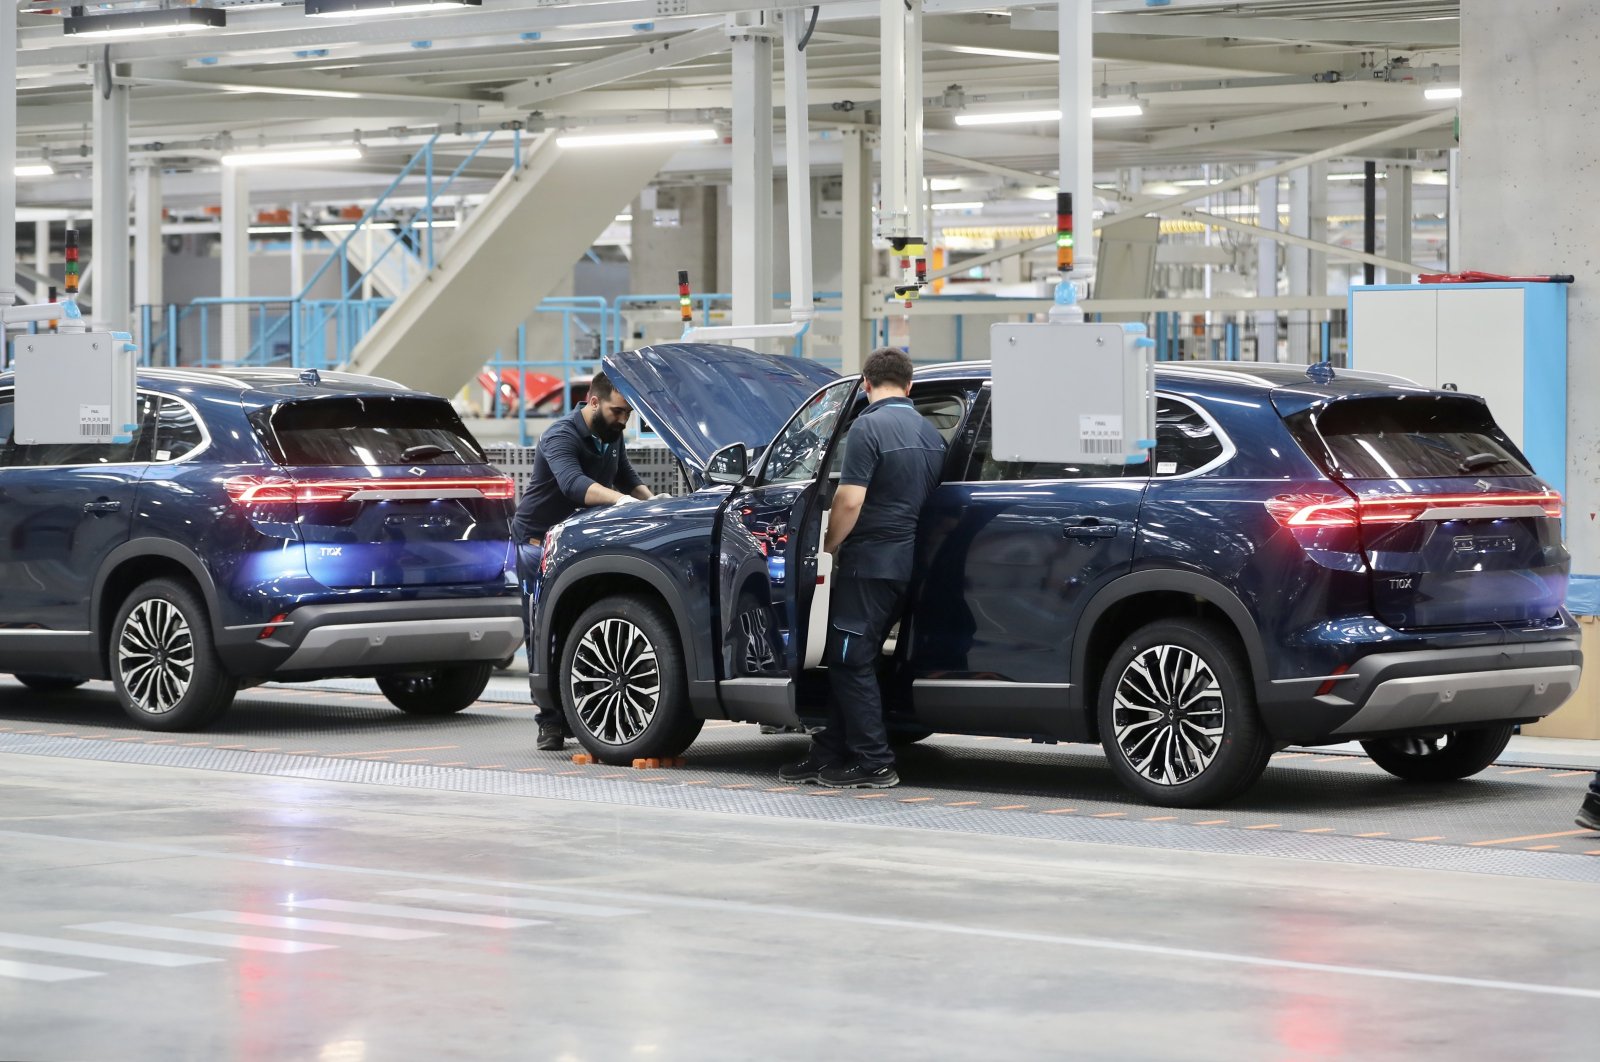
x=1100 y=433
x=1166 y=468
x=94 y=421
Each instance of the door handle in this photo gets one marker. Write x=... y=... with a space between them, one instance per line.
x=102 y=507
x=1088 y=529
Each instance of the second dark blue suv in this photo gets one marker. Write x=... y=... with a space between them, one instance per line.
x=261 y=525
x=1302 y=560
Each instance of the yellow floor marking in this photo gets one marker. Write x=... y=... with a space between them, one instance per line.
x=1595 y=852
x=63 y=733
x=1570 y=774
x=230 y=746
x=268 y=748
x=530 y=770
x=454 y=763
x=661 y=779
x=1160 y=818
x=193 y=744
x=602 y=776
x=564 y=774
x=1109 y=815
x=131 y=738
x=698 y=781
x=1530 y=837
x=1380 y=833
x=419 y=759
x=1333 y=759
x=1061 y=811
x=1211 y=822
x=1523 y=770
x=1289 y=755
x=737 y=785
x=163 y=741
x=1265 y=826
x=790 y=789
x=1439 y=838
x=961 y=804
x=1542 y=847
x=386 y=752
x=1010 y=807
x=870 y=796
x=1319 y=829
x=302 y=752
x=908 y=800
x=490 y=766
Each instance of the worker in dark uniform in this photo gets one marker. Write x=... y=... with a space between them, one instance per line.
x=580 y=463
x=892 y=462
x=1589 y=812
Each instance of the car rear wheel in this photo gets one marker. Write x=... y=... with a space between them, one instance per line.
x=1446 y=757
x=49 y=683
x=623 y=682
x=436 y=691
x=163 y=663
x=1178 y=718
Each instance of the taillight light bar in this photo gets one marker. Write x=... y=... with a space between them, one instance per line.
x=1342 y=510
x=270 y=490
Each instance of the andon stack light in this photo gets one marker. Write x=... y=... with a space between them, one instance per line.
x=1064 y=232
x=685 y=303
x=52 y=298
x=72 y=263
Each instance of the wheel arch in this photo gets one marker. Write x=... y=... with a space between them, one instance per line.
x=134 y=563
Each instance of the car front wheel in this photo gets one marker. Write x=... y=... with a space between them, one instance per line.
x=623 y=682
x=163 y=662
x=436 y=691
x=1178 y=718
x=1446 y=757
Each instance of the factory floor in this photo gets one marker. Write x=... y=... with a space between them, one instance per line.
x=319 y=877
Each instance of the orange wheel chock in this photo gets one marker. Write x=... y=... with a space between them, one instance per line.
x=583 y=759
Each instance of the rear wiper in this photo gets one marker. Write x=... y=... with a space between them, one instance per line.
x=422 y=452
x=1477 y=461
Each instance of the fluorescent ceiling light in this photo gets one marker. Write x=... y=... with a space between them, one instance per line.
x=377 y=8
x=623 y=217
x=944 y=184
x=34 y=169
x=292 y=157
x=1352 y=176
x=1195 y=182
x=660 y=136
x=283 y=90
x=975 y=205
x=1442 y=93
x=148 y=22
x=1109 y=110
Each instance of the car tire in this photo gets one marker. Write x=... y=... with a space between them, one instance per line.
x=623 y=682
x=163 y=662
x=436 y=691
x=1177 y=715
x=1451 y=756
x=49 y=683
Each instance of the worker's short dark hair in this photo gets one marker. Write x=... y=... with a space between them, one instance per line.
x=600 y=387
x=886 y=365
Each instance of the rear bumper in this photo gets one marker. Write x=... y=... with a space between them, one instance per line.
x=374 y=637
x=1388 y=693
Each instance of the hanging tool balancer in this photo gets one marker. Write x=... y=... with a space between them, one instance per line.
x=913 y=252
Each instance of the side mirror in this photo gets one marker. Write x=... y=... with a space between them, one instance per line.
x=729 y=465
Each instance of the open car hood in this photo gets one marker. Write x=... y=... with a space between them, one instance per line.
x=700 y=397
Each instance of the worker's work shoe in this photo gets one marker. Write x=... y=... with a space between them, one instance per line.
x=552 y=737
x=859 y=776
x=1589 y=814
x=806 y=770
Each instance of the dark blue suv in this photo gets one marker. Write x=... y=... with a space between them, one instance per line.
x=261 y=525
x=1303 y=559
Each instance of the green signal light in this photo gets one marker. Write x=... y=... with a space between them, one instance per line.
x=1064 y=239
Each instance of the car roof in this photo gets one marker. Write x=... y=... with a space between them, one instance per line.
x=1229 y=375
x=269 y=382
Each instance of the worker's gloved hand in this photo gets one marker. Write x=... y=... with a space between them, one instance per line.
x=658 y=495
x=624 y=499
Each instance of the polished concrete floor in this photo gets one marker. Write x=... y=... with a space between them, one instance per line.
x=171 y=903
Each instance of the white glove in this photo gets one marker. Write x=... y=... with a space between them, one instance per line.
x=658 y=495
x=621 y=499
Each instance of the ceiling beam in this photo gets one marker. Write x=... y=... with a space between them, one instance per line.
x=299 y=83
x=1282 y=122
x=656 y=55
x=1428 y=34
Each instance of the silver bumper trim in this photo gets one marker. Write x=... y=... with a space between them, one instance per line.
x=1465 y=697
x=421 y=642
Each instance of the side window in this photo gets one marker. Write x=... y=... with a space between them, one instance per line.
x=50 y=454
x=796 y=454
x=8 y=420
x=1185 y=440
x=983 y=467
x=177 y=432
x=944 y=412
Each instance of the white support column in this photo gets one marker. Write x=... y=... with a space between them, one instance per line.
x=1397 y=219
x=751 y=193
x=856 y=339
x=109 y=253
x=797 y=165
x=297 y=251
x=1453 y=212
x=8 y=160
x=900 y=194
x=1299 y=263
x=148 y=245
x=1316 y=262
x=235 y=262
x=1267 y=271
x=1076 y=95
x=41 y=258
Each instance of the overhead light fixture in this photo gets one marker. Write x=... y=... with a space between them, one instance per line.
x=659 y=136
x=1352 y=176
x=34 y=169
x=1443 y=92
x=944 y=184
x=376 y=8
x=143 y=23
x=309 y=156
x=284 y=90
x=1110 y=110
x=974 y=205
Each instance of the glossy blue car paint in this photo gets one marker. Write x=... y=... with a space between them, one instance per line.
x=1025 y=587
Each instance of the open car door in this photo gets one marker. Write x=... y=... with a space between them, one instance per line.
x=772 y=577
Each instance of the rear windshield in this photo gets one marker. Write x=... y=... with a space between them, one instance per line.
x=370 y=430
x=1407 y=437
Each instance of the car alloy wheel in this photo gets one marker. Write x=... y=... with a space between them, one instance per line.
x=615 y=681
x=155 y=655
x=1169 y=715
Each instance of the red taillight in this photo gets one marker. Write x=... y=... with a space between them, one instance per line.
x=1333 y=680
x=269 y=490
x=1333 y=510
x=272 y=628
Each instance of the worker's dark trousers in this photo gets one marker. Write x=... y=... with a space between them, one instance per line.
x=529 y=557
x=860 y=614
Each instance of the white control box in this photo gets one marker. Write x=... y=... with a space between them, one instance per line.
x=75 y=388
x=1072 y=393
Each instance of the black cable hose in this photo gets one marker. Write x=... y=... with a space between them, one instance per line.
x=812 y=28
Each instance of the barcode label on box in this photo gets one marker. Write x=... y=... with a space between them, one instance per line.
x=94 y=422
x=1100 y=434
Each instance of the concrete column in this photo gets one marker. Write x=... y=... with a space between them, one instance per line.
x=149 y=250
x=751 y=193
x=1528 y=98
x=1453 y=211
x=109 y=251
x=297 y=252
x=1075 y=91
x=235 y=262
x=41 y=257
x=856 y=338
x=1267 y=271
x=1397 y=218
x=1298 y=260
